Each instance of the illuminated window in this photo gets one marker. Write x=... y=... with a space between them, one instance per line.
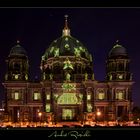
x=15 y=95
x=88 y=97
x=48 y=107
x=119 y=95
x=68 y=98
x=48 y=96
x=120 y=76
x=100 y=95
x=37 y=96
x=89 y=107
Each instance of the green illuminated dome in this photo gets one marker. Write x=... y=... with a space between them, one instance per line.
x=17 y=50
x=118 y=50
x=66 y=45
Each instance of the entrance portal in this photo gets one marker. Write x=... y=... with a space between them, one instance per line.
x=67 y=114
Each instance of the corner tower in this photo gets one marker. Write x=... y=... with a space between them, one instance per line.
x=16 y=81
x=117 y=65
x=119 y=81
x=17 y=64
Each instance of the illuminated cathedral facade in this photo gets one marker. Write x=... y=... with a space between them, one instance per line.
x=67 y=90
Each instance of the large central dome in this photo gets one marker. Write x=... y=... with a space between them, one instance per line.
x=66 y=45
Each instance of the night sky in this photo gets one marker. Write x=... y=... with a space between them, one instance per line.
x=97 y=28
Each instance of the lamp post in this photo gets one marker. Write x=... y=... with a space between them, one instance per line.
x=40 y=116
x=98 y=114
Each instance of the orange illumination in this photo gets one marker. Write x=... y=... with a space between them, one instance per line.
x=98 y=113
x=40 y=114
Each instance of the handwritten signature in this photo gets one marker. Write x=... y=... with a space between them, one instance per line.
x=74 y=134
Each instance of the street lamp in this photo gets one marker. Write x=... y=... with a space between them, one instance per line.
x=40 y=116
x=98 y=114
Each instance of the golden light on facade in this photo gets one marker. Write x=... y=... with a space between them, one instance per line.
x=98 y=113
x=39 y=114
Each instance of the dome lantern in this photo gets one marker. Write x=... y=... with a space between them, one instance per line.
x=66 y=30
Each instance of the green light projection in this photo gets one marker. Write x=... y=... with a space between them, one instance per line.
x=77 y=52
x=56 y=52
x=48 y=97
x=67 y=114
x=120 y=76
x=110 y=77
x=93 y=78
x=6 y=76
x=120 y=94
x=44 y=76
x=67 y=47
x=26 y=77
x=68 y=98
x=16 y=76
x=82 y=49
x=51 y=76
x=56 y=95
x=68 y=77
x=86 y=76
x=66 y=39
x=43 y=57
x=88 y=97
x=48 y=108
x=68 y=87
x=101 y=96
x=67 y=64
x=90 y=57
x=81 y=96
x=52 y=48
x=89 y=107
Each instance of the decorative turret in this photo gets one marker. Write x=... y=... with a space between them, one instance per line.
x=117 y=64
x=17 y=64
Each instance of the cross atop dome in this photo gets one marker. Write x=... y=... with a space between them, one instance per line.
x=66 y=22
x=18 y=41
x=66 y=30
x=117 y=41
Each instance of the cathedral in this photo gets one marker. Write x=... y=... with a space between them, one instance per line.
x=67 y=90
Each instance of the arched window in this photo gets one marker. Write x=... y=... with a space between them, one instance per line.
x=119 y=94
x=100 y=95
x=67 y=98
x=36 y=95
